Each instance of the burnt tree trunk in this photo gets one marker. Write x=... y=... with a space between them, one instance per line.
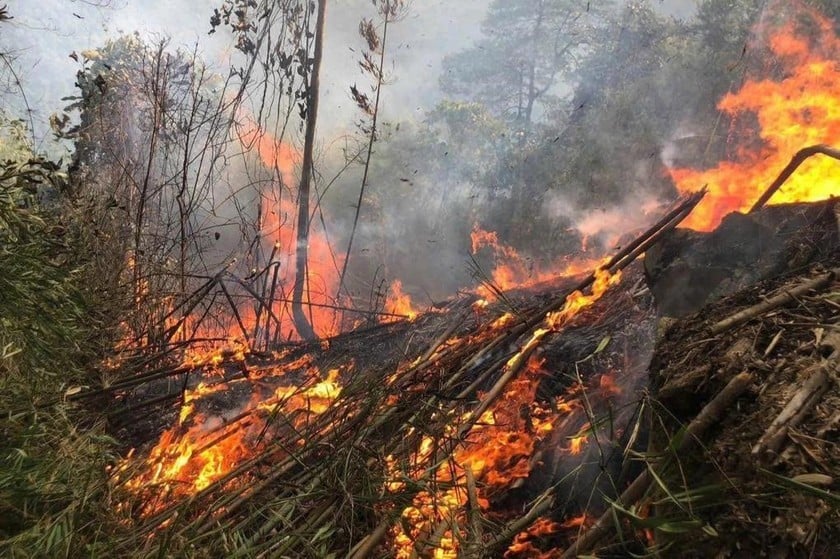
x=302 y=324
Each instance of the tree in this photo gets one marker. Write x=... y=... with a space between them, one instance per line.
x=528 y=47
x=149 y=134
x=389 y=11
x=303 y=325
x=282 y=42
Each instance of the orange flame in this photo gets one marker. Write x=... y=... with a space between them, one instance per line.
x=798 y=110
x=278 y=225
x=499 y=446
x=511 y=270
x=399 y=303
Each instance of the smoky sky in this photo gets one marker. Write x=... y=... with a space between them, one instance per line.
x=45 y=32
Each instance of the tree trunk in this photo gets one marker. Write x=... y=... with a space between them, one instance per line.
x=304 y=328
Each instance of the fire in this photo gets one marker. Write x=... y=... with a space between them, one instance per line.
x=523 y=545
x=497 y=453
x=278 y=227
x=498 y=448
x=202 y=449
x=274 y=154
x=576 y=444
x=794 y=108
x=578 y=301
x=511 y=270
x=399 y=302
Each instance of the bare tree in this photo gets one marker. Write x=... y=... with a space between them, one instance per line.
x=389 y=10
x=303 y=325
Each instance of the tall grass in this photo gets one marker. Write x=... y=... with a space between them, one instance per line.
x=52 y=473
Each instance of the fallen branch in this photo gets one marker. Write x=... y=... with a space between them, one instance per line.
x=794 y=164
x=774 y=302
x=709 y=415
x=794 y=412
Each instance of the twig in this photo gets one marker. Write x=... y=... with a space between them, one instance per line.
x=794 y=412
x=545 y=503
x=773 y=302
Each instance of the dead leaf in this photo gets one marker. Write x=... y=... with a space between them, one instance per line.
x=814 y=479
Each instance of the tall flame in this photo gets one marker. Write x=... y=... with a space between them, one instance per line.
x=278 y=223
x=796 y=107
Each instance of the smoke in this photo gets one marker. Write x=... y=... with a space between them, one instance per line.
x=417 y=226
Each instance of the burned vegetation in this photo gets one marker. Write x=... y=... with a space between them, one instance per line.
x=551 y=423
x=248 y=377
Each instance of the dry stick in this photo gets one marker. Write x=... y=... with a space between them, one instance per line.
x=794 y=412
x=276 y=519
x=236 y=314
x=194 y=299
x=545 y=503
x=271 y=295
x=797 y=160
x=769 y=304
x=433 y=347
x=473 y=513
x=710 y=414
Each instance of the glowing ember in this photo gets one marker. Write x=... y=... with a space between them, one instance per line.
x=796 y=111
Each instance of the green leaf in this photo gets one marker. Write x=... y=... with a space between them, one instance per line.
x=680 y=526
x=602 y=345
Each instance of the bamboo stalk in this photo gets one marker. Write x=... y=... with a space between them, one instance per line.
x=774 y=302
x=794 y=164
x=543 y=505
x=794 y=412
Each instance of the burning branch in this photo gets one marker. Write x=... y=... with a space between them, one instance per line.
x=794 y=164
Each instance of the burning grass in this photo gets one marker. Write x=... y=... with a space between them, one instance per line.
x=424 y=463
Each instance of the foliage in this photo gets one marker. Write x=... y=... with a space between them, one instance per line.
x=149 y=127
x=52 y=474
x=526 y=49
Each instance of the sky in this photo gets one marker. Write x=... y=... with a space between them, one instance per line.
x=45 y=32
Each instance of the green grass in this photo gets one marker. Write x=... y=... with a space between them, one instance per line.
x=53 y=490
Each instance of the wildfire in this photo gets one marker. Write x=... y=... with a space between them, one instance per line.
x=499 y=447
x=399 y=303
x=201 y=448
x=511 y=270
x=795 y=107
